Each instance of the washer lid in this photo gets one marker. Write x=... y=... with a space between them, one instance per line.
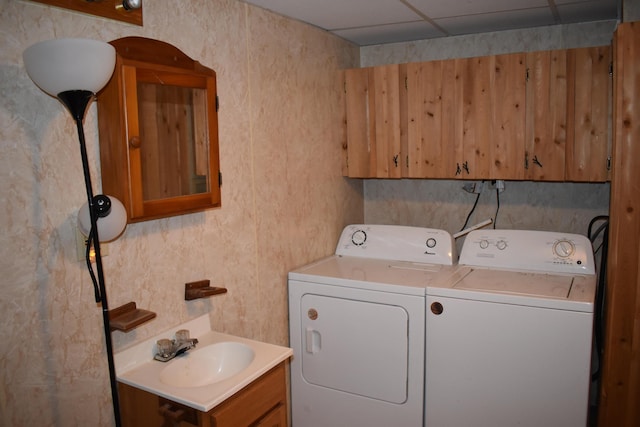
x=544 y=290
x=517 y=283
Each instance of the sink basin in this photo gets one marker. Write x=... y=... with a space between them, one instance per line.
x=208 y=365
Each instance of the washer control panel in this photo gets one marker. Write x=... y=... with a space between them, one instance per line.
x=397 y=243
x=529 y=250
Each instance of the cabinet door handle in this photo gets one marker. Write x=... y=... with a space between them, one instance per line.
x=536 y=161
x=465 y=166
x=134 y=142
x=172 y=417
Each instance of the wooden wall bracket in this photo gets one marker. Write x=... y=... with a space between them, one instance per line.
x=201 y=289
x=128 y=317
x=110 y=9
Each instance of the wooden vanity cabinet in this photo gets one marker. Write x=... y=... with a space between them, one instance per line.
x=158 y=128
x=262 y=403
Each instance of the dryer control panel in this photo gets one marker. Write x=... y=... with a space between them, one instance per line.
x=546 y=251
x=397 y=243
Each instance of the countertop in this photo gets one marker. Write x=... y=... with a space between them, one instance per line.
x=135 y=366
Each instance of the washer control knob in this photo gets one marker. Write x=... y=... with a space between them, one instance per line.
x=564 y=248
x=431 y=242
x=501 y=245
x=359 y=237
x=484 y=244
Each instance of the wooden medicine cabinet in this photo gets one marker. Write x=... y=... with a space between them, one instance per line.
x=158 y=127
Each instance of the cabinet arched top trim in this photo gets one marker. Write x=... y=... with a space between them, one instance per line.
x=157 y=52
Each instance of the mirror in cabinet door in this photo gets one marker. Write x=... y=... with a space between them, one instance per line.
x=159 y=131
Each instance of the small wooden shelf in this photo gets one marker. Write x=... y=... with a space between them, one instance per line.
x=128 y=317
x=201 y=289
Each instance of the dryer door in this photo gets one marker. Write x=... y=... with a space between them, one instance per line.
x=358 y=347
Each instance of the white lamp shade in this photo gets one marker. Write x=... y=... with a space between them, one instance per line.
x=60 y=65
x=110 y=226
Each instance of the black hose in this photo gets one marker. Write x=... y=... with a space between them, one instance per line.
x=599 y=304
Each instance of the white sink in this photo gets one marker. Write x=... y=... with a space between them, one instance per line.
x=208 y=365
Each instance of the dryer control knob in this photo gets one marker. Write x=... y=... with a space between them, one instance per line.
x=563 y=248
x=431 y=242
x=501 y=245
x=359 y=237
x=484 y=244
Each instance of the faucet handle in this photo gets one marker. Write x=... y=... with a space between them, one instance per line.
x=182 y=336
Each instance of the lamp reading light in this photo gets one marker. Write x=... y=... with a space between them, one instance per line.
x=74 y=70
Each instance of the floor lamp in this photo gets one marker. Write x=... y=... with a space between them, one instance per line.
x=74 y=70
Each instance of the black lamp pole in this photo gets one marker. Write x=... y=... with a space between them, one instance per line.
x=77 y=102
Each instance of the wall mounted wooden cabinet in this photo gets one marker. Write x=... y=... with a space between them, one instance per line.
x=569 y=115
x=463 y=116
x=491 y=117
x=589 y=144
x=546 y=133
x=537 y=116
x=432 y=119
x=375 y=125
x=158 y=130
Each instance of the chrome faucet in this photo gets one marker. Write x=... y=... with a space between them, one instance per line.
x=168 y=349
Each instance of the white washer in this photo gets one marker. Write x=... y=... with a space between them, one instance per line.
x=357 y=327
x=509 y=344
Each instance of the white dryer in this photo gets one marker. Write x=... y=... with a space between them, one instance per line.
x=509 y=344
x=357 y=327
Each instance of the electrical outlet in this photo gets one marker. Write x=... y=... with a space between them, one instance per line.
x=81 y=247
x=497 y=185
x=473 y=187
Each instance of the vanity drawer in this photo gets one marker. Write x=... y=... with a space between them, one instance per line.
x=262 y=403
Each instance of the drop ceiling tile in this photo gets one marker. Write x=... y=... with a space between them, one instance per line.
x=340 y=14
x=395 y=33
x=488 y=22
x=587 y=11
x=446 y=9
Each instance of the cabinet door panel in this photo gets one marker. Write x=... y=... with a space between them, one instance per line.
x=589 y=144
x=358 y=141
x=508 y=88
x=386 y=86
x=476 y=108
x=546 y=135
x=374 y=122
x=431 y=119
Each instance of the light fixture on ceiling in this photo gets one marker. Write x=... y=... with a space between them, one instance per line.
x=74 y=70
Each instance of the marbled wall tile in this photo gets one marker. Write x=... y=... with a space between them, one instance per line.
x=283 y=200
